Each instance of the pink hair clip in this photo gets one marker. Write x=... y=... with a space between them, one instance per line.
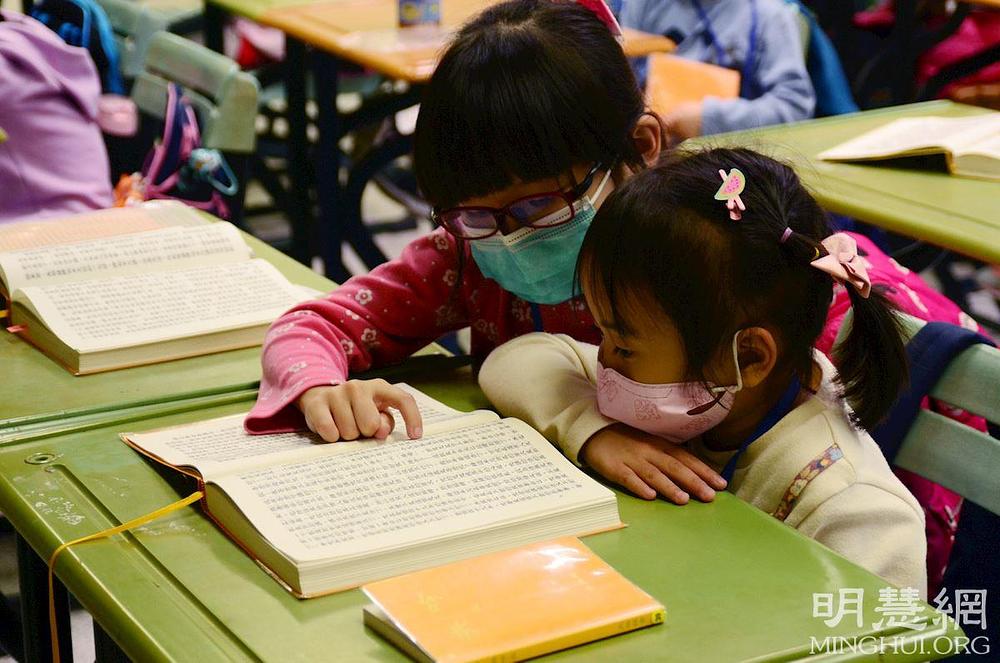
x=603 y=12
x=732 y=186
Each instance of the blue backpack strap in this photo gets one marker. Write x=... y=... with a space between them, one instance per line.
x=929 y=352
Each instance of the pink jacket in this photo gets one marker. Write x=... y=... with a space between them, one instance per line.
x=387 y=315
x=54 y=161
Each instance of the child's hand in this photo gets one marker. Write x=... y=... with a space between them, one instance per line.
x=683 y=122
x=358 y=408
x=647 y=465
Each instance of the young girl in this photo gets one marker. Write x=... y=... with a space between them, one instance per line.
x=709 y=316
x=758 y=38
x=529 y=121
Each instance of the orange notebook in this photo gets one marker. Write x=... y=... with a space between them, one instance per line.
x=475 y=609
x=672 y=80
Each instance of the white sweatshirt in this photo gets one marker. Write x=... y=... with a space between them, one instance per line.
x=813 y=470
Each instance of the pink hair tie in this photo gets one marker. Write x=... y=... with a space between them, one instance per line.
x=843 y=263
x=785 y=235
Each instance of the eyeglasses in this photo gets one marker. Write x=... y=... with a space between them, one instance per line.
x=539 y=210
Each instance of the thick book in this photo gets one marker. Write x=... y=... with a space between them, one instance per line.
x=968 y=146
x=672 y=80
x=135 y=286
x=325 y=517
x=508 y=606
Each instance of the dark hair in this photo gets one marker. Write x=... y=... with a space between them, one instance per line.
x=664 y=235
x=525 y=91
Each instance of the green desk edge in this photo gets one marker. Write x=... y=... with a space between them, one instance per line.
x=737 y=584
x=40 y=392
x=956 y=213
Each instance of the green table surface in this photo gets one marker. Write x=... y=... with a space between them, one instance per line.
x=957 y=213
x=737 y=585
x=37 y=392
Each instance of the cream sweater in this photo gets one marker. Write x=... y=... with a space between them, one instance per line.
x=813 y=469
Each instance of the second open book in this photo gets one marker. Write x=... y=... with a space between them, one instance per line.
x=325 y=517
x=130 y=286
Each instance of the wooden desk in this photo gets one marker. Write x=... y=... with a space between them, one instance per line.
x=366 y=32
x=956 y=213
x=737 y=584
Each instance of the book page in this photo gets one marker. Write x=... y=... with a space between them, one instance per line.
x=95 y=225
x=136 y=253
x=358 y=499
x=125 y=311
x=914 y=134
x=221 y=445
x=988 y=146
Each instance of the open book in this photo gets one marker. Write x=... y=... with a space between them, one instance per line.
x=970 y=146
x=136 y=286
x=326 y=517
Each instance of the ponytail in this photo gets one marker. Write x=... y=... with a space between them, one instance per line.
x=871 y=360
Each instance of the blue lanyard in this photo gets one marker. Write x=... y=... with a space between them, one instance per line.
x=536 y=317
x=721 y=58
x=773 y=416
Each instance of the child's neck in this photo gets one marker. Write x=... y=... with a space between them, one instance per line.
x=752 y=404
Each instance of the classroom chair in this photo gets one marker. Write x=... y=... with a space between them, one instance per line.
x=952 y=454
x=224 y=98
x=134 y=26
x=945 y=451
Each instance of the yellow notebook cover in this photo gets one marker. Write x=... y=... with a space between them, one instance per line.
x=510 y=606
x=672 y=80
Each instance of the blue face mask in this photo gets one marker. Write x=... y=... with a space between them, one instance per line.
x=538 y=264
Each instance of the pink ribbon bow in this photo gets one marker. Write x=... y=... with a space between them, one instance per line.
x=844 y=264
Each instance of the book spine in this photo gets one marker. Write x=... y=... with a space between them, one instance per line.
x=648 y=617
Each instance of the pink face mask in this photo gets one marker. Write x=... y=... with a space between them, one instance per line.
x=676 y=411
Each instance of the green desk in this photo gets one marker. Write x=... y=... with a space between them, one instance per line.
x=956 y=213
x=38 y=393
x=737 y=584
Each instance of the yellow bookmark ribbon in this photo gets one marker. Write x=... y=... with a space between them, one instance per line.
x=135 y=522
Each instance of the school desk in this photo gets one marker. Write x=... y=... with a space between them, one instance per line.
x=737 y=585
x=366 y=33
x=38 y=393
x=957 y=213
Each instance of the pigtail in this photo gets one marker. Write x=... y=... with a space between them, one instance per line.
x=871 y=360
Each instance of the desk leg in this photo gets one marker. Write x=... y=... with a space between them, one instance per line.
x=33 y=580
x=298 y=149
x=328 y=159
x=215 y=18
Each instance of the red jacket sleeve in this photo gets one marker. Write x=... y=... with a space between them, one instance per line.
x=372 y=320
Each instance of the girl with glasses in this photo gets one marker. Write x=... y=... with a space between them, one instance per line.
x=531 y=118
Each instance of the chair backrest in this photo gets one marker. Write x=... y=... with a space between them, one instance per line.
x=945 y=451
x=134 y=26
x=224 y=97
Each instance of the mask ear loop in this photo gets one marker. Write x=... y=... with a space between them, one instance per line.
x=719 y=392
x=739 y=373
